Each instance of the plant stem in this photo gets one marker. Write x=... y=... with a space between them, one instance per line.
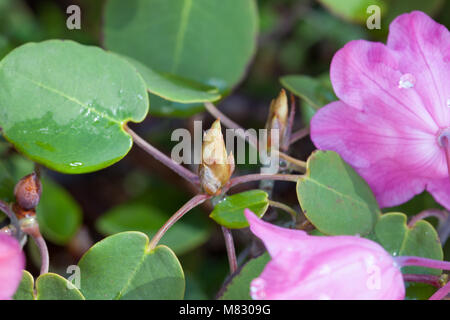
x=300 y=134
x=161 y=157
x=424 y=278
x=195 y=201
x=31 y=227
x=299 y=164
x=258 y=177
x=440 y=214
x=404 y=261
x=43 y=250
x=441 y=293
x=230 y=249
x=285 y=208
x=6 y=208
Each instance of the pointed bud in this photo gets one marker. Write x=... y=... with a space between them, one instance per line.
x=216 y=167
x=28 y=191
x=278 y=116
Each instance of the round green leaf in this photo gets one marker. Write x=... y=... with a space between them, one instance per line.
x=207 y=41
x=174 y=88
x=64 y=104
x=230 y=211
x=238 y=288
x=59 y=215
x=334 y=198
x=398 y=239
x=49 y=286
x=122 y=267
x=25 y=289
x=184 y=236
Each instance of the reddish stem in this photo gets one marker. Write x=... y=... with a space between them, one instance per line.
x=440 y=214
x=424 y=278
x=441 y=293
x=195 y=201
x=161 y=157
x=258 y=177
x=404 y=261
x=231 y=252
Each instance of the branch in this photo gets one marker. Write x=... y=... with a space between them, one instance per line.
x=258 y=177
x=195 y=201
x=161 y=157
x=231 y=252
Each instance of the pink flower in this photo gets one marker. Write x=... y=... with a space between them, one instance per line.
x=12 y=262
x=315 y=267
x=393 y=117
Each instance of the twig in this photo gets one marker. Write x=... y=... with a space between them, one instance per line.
x=424 y=278
x=231 y=252
x=441 y=293
x=31 y=227
x=285 y=208
x=195 y=201
x=258 y=177
x=297 y=135
x=158 y=155
x=440 y=214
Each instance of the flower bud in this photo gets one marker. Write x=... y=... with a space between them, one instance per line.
x=28 y=191
x=278 y=116
x=216 y=167
x=323 y=267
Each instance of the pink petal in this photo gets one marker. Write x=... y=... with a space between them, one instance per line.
x=395 y=159
x=274 y=238
x=365 y=75
x=308 y=267
x=440 y=190
x=12 y=262
x=424 y=48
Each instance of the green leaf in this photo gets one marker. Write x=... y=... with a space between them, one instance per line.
x=49 y=286
x=239 y=286
x=25 y=289
x=59 y=215
x=352 y=10
x=122 y=267
x=174 y=88
x=230 y=211
x=184 y=236
x=315 y=92
x=207 y=41
x=64 y=104
x=165 y=108
x=334 y=198
x=398 y=239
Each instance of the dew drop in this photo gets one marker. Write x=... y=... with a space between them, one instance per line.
x=407 y=81
x=140 y=97
x=448 y=103
x=75 y=164
x=257 y=289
